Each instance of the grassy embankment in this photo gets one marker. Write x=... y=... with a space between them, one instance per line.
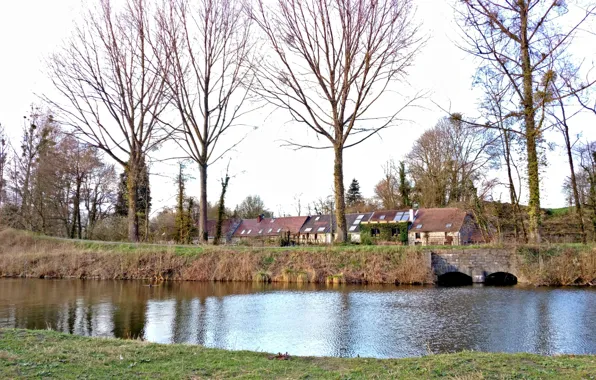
x=24 y=254
x=50 y=354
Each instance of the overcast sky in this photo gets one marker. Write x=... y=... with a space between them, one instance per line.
x=32 y=29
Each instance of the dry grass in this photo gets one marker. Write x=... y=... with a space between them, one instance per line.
x=27 y=255
x=560 y=267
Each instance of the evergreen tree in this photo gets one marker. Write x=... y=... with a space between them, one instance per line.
x=353 y=196
x=405 y=188
x=143 y=195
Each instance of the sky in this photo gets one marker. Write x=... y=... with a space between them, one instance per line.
x=31 y=30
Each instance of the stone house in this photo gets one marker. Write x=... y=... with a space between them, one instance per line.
x=442 y=226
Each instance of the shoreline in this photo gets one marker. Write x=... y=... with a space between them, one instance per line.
x=35 y=353
x=27 y=255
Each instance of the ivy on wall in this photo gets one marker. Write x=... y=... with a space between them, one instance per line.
x=375 y=232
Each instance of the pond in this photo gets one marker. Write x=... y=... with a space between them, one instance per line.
x=311 y=320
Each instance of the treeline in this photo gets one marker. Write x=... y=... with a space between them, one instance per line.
x=139 y=74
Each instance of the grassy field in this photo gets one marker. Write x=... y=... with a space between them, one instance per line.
x=48 y=354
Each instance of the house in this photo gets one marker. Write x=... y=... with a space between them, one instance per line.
x=442 y=226
x=228 y=227
x=269 y=229
x=388 y=225
x=321 y=229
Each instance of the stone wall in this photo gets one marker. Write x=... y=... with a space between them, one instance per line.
x=476 y=263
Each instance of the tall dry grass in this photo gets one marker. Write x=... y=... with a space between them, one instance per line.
x=559 y=267
x=26 y=255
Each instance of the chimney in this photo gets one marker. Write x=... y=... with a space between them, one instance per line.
x=260 y=218
x=411 y=215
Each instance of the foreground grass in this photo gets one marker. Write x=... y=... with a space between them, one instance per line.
x=50 y=354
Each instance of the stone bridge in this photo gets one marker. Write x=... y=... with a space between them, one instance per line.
x=479 y=264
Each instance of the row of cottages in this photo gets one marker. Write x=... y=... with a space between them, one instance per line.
x=431 y=226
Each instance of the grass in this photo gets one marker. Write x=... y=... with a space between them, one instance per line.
x=48 y=354
x=24 y=254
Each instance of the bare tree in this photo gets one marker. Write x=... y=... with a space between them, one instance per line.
x=207 y=63
x=493 y=106
x=113 y=94
x=4 y=144
x=449 y=162
x=522 y=39
x=332 y=61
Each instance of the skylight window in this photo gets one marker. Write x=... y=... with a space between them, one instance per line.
x=357 y=221
x=353 y=228
x=448 y=225
x=360 y=217
x=248 y=233
x=279 y=230
x=272 y=220
x=308 y=229
x=321 y=229
x=382 y=217
x=317 y=218
x=260 y=231
x=419 y=226
x=242 y=233
x=271 y=229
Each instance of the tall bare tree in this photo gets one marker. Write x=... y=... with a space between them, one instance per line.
x=522 y=39
x=4 y=144
x=207 y=63
x=332 y=61
x=494 y=108
x=113 y=93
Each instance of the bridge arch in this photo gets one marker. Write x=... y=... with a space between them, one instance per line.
x=500 y=279
x=454 y=279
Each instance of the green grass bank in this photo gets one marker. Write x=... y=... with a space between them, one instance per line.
x=48 y=354
x=24 y=254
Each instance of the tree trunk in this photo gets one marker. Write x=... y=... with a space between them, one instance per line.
x=76 y=212
x=221 y=209
x=131 y=185
x=531 y=131
x=578 y=204
x=203 y=233
x=340 y=204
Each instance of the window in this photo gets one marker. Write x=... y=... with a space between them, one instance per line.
x=419 y=226
x=260 y=231
x=279 y=230
x=357 y=221
x=271 y=229
x=394 y=232
x=242 y=233
x=374 y=232
x=353 y=228
x=272 y=220
x=248 y=233
x=308 y=229
x=417 y=235
x=360 y=217
x=448 y=225
x=321 y=229
x=382 y=217
x=317 y=218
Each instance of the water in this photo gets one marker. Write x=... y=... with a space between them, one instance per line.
x=346 y=321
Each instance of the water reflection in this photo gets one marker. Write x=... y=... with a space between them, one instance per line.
x=346 y=321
